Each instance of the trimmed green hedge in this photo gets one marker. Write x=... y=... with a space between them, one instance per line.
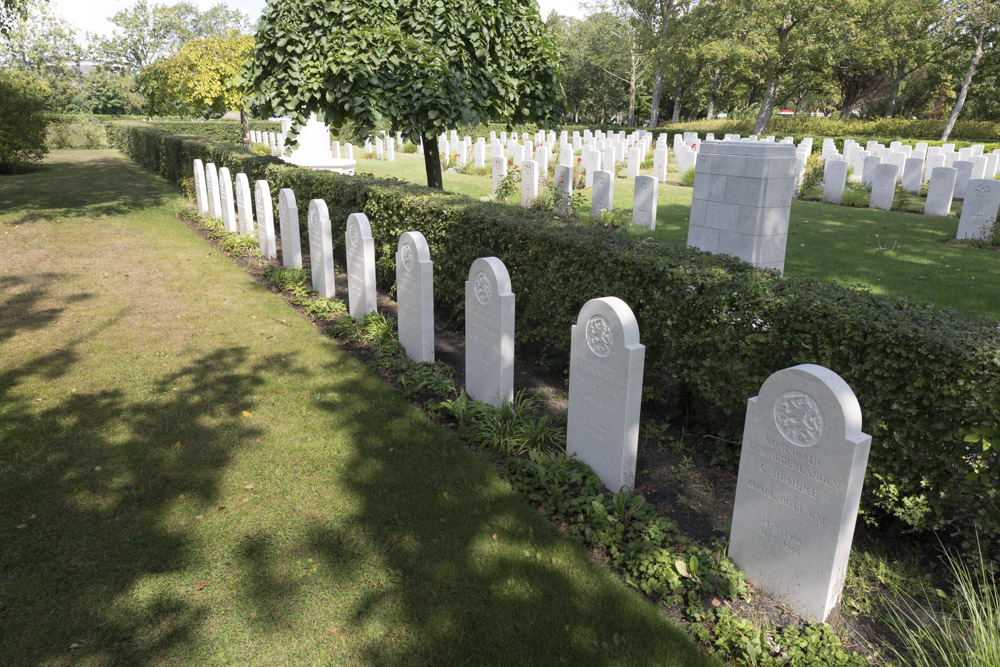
x=714 y=327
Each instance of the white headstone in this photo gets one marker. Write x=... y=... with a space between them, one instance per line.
x=265 y=219
x=479 y=154
x=604 y=192
x=834 y=180
x=591 y=163
x=633 y=162
x=228 y=209
x=932 y=162
x=979 y=212
x=244 y=205
x=644 y=201
x=489 y=332
x=802 y=467
x=962 y=178
x=940 y=191
x=883 y=186
x=868 y=174
x=913 y=174
x=499 y=172
x=390 y=150
x=335 y=149
x=415 y=296
x=660 y=164
x=288 y=223
x=529 y=182
x=605 y=390
x=200 y=189
x=214 y=196
x=321 y=249
x=360 y=245
x=562 y=190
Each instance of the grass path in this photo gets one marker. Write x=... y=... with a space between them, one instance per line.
x=190 y=474
x=889 y=253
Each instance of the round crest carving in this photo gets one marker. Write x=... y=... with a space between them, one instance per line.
x=354 y=234
x=799 y=418
x=407 y=255
x=600 y=338
x=483 y=288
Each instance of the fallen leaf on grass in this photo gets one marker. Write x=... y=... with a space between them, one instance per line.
x=495 y=536
x=247 y=414
x=32 y=516
x=74 y=645
x=716 y=602
x=22 y=526
x=248 y=486
x=200 y=516
x=333 y=631
x=200 y=585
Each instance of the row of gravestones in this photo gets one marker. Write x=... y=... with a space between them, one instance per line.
x=981 y=195
x=803 y=458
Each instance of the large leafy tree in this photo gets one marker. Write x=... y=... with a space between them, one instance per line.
x=419 y=67
x=205 y=74
x=977 y=25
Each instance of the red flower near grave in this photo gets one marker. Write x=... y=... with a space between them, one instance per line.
x=579 y=159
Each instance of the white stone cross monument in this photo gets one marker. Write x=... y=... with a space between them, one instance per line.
x=489 y=332
x=415 y=296
x=360 y=245
x=321 y=249
x=605 y=389
x=802 y=466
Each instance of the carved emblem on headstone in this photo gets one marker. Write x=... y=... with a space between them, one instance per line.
x=982 y=190
x=407 y=254
x=483 y=288
x=600 y=339
x=355 y=235
x=799 y=418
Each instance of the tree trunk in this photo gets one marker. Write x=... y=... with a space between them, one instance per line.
x=897 y=79
x=654 y=113
x=432 y=163
x=846 y=112
x=632 y=84
x=716 y=80
x=678 y=98
x=966 y=82
x=244 y=125
x=767 y=104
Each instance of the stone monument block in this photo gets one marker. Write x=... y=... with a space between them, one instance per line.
x=604 y=192
x=605 y=390
x=802 y=467
x=940 y=191
x=200 y=189
x=244 y=205
x=214 y=196
x=228 y=208
x=834 y=180
x=562 y=190
x=499 y=172
x=962 y=178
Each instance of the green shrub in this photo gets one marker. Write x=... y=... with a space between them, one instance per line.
x=687 y=178
x=85 y=132
x=714 y=327
x=23 y=124
x=409 y=148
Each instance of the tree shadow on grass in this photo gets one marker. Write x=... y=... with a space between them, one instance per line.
x=77 y=184
x=473 y=575
x=87 y=481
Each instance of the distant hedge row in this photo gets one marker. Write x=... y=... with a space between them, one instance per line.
x=714 y=328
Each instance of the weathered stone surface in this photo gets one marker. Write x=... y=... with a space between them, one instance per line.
x=605 y=390
x=802 y=467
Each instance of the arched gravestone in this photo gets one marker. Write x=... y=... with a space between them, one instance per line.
x=940 y=190
x=499 y=172
x=214 y=198
x=228 y=210
x=244 y=204
x=802 y=466
x=321 y=249
x=288 y=221
x=529 y=182
x=604 y=192
x=644 y=202
x=360 y=265
x=980 y=210
x=562 y=190
x=489 y=332
x=200 y=191
x=265 y=219
x=834 y=180
x=415 y=296
x=605 y=390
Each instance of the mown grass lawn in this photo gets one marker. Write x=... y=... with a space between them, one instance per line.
x=889 y=253
x=191 y=474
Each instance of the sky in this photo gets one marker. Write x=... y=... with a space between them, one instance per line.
x=93 y=15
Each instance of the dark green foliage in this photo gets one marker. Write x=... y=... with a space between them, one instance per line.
x=22 y=122
x=714 y=327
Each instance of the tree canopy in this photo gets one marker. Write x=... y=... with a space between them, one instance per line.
x=412 y=66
